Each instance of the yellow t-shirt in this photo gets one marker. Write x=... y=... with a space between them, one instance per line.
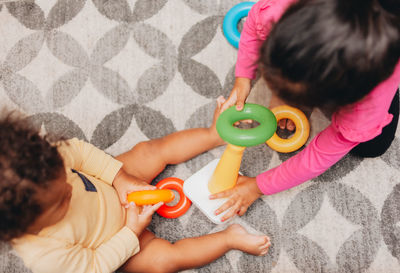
x=92 y=237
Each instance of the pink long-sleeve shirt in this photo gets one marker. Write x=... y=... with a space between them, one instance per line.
x=351 y=125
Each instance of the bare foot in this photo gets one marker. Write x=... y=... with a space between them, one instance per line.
x=240 y=239
x=283 y=123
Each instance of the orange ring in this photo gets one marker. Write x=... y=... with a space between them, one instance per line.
x=150 y=197
x=299 y=137
x=184 y=203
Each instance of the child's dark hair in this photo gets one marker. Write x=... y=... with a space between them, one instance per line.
x=332 y=51
x=28 y=162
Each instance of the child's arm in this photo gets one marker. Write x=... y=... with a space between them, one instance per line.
x=348 y=129
x=350 y=126
x=51 y=255
x=259 y=22
x=246 y=63
x=45 y=254
x=85 y=157
x=256 y=29
x=315 y=159
x=251 y=40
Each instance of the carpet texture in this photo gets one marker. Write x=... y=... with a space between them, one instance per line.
x=118 y=72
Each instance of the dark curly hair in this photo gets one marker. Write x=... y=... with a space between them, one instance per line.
x=331 y=52
x=28 y=162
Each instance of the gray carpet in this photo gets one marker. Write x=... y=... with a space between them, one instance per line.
x=119 y=72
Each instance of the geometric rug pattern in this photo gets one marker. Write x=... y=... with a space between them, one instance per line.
x=118 y=72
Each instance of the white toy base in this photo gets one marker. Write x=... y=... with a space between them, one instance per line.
x=196 y=189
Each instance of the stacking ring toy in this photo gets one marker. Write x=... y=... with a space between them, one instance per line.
x=246 y=137
x=231 y=20
x=151 y=197
x=173 y=183
x=300 y=136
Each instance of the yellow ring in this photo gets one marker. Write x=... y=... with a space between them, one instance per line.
x=299 y=137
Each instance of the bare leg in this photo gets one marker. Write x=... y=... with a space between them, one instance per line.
x=158 y=255
x=147 y=159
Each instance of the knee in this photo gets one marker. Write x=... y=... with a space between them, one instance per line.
x=165 y=262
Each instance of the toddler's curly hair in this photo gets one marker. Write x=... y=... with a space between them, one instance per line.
x=28 y=162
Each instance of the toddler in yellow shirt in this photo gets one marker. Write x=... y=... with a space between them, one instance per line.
x=63 y=205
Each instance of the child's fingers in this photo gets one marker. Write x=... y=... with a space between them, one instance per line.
x=242 y=211
x=241 y=97
x=231 y=213
x=150 y=209
x=132 y=208
x=221 y=194
x=229 y=102
x=155 y=207
x=228 y=204
x=124 y=199
x=221 y=100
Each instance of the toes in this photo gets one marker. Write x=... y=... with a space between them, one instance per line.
x=290 y=125
x=282 y=124
x=265 y=240
x=264 y=250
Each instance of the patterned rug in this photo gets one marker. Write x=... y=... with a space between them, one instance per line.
x=118 y=72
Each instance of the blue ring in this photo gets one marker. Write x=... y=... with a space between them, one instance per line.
x=232 y=19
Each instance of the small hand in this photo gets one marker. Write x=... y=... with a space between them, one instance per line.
x=213 y=128
x=125 y=184
x=239 y=94
x=240 y=197
x=137 y=221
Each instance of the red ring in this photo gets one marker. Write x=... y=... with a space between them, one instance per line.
x=184 y=203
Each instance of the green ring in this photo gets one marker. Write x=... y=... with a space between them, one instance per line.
x=246 y=137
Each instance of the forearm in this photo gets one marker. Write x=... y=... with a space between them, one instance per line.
x=249 y=47
x=325 y=150
x=113 y=253
x=50 y=255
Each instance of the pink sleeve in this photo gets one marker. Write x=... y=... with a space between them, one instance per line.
x=350 y=126
x=249 y=46
x=324 y=150
x=256 y=28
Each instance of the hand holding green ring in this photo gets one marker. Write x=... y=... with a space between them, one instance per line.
x=246 y=137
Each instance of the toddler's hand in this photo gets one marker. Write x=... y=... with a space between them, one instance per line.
x=213 y=127
x=125 y=184
x=239 y=93
x=240 y=197
x=137 y=221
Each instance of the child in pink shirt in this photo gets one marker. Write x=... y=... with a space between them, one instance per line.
x=319 y=52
